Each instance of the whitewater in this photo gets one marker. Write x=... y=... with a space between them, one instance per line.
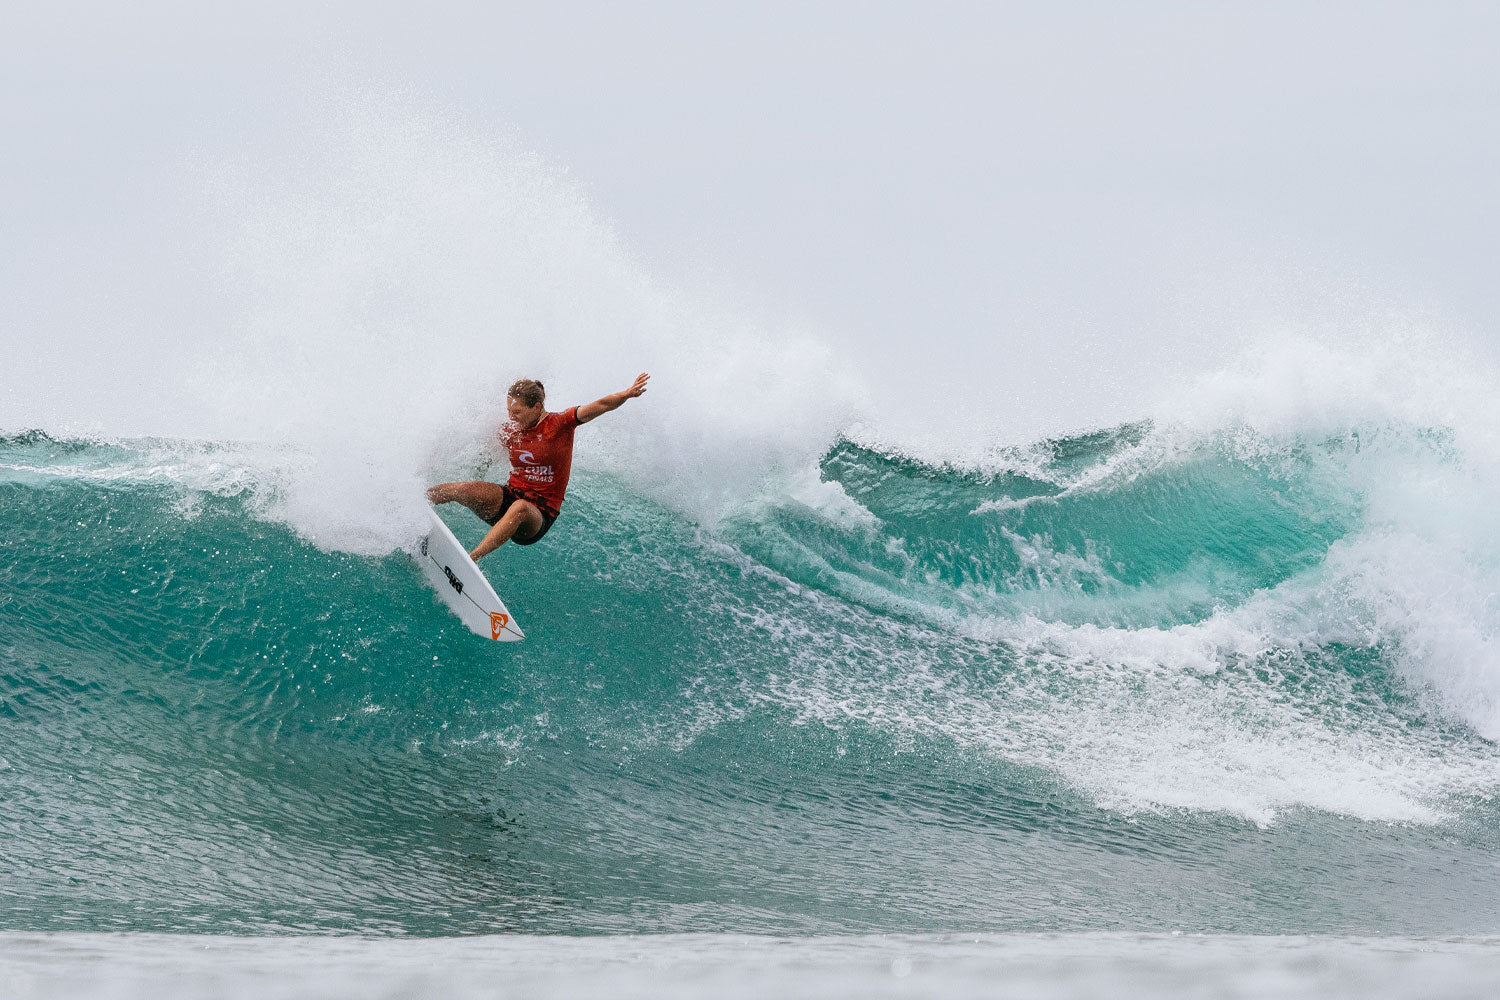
x=801 y=683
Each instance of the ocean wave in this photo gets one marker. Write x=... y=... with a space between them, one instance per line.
x=1244 y=599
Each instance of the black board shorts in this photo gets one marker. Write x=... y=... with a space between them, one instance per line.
x=511 y=496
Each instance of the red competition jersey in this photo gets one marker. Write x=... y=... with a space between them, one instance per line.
x=540 y=458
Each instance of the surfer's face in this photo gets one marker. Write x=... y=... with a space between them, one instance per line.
x=526 y=416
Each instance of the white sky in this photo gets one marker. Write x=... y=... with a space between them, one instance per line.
x=1033 y=213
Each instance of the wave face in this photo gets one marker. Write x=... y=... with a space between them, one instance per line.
x=1138 y=678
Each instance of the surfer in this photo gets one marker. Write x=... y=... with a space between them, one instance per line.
x=541 y=455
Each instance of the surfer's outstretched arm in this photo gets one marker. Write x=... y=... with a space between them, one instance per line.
x=615 y=400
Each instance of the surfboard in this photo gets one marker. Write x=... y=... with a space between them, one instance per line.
x=460 y=585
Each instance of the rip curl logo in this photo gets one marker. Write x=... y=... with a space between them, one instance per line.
x=533 y=472
x=498 y=621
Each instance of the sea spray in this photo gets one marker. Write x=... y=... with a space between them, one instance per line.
x=388 y=291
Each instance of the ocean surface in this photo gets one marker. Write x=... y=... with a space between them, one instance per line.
x=1234 y=681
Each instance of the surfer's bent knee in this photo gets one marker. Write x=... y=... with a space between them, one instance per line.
x=531 y=515
x=533 y=524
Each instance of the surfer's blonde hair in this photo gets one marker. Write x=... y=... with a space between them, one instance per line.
x=528 y=390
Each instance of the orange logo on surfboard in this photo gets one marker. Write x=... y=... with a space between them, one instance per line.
x=498 y=621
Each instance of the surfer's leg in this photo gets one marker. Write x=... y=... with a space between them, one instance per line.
x=520 y=516
x=484 y=499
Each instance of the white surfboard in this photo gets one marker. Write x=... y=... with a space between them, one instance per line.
x=460 y=585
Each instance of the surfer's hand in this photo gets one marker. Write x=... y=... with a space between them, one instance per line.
x=638 y=386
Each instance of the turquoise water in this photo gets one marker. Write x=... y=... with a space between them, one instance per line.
x=1128 y=681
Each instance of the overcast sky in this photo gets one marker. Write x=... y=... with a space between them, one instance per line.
x=1034 y=213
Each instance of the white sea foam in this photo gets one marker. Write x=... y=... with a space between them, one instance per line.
x=1216 y=716
x=1419 y=424
x=1251 y=710
x=126 y=966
